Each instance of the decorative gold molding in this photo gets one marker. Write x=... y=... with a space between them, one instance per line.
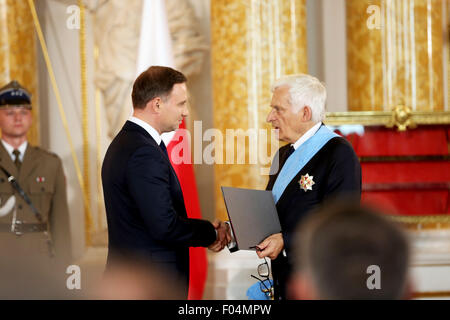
x=402 y=118
x=431 y=294
x=425 y=222
x=385 y=118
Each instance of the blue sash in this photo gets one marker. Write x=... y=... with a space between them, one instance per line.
x=300 y=158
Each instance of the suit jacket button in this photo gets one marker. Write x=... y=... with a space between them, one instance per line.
x=2 y=180
x=20 y=207
x=42 y=189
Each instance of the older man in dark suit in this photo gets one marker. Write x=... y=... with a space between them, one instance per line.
x=144 y=202
x=314 y=165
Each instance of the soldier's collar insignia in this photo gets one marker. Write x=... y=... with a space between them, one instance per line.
x=306 y=182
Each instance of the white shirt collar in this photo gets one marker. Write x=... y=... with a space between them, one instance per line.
x=9 y=148
x=308 y=134
x=152 y=131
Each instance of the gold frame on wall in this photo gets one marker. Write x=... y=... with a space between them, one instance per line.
x=401 y=118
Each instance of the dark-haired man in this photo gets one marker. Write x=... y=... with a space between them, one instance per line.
x=345 y=251
x=144 y=202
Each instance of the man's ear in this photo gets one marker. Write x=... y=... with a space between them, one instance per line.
x=154 y=105
x=306 y=114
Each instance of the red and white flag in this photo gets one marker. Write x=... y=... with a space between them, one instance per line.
x=155 y=48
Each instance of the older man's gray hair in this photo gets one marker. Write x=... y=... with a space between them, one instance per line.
x=305 y=90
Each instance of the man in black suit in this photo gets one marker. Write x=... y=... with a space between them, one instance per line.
x=314 y=165
x=145 y=209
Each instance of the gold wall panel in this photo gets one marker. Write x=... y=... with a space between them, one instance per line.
x=253 y=43
x=447 y=11
x=399 y=60
x=18 y=53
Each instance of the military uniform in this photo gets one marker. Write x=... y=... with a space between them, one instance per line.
x=41 y=176
x=31 y=246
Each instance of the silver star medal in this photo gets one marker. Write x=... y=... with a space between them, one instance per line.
x=306 y=182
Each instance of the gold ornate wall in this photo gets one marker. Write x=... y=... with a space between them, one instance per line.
x=253 y=43
x=395 y=54
x=447 y=11
x=18 y=53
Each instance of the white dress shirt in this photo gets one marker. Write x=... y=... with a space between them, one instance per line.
x=9 y=148
x=152 y=131
x=308 y=134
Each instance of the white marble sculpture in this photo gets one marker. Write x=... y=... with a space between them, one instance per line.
x=116 y=27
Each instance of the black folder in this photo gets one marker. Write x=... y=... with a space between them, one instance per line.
x=252 y=214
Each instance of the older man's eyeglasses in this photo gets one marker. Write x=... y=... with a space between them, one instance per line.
x=265 y=284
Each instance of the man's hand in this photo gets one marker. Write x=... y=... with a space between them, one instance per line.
x=271 y=246
x=223 y=236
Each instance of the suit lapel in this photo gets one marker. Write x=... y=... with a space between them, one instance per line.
x=30 y=161
x=6 y=161
x=166 y=157
x=168 y=161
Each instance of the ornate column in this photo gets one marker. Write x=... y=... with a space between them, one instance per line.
x=396 y=54
x=253 y=43
x=18 y=53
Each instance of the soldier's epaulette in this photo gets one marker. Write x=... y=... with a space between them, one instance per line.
x=46 y=152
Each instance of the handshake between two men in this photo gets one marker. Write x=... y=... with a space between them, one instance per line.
x=270 y=247
x=223 y=235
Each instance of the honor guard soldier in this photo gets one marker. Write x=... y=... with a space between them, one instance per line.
x=34 y=215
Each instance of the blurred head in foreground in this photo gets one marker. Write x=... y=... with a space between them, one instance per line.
x=346 y=251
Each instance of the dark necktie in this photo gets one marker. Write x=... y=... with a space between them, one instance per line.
x=282 y=158
x=163 y=148
x=17 y=162
x=286 y=155
x=290 y=151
